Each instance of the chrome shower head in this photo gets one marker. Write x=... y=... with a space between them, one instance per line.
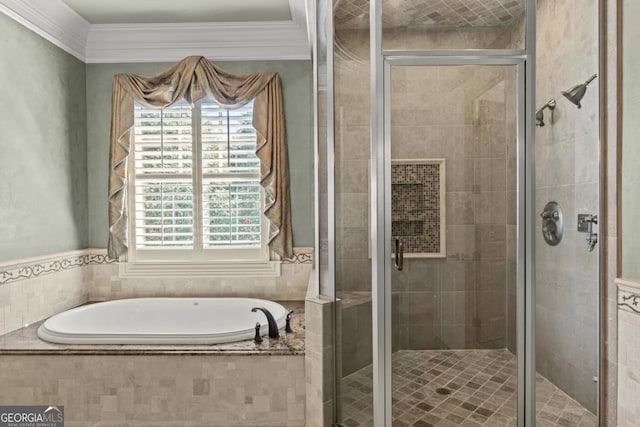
x=551 y=105
x=576 y=93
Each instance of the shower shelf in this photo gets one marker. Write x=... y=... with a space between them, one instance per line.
x=417 y=206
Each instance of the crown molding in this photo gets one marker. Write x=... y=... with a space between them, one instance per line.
x=109 y=43
x=300 y=17
x=53 y=20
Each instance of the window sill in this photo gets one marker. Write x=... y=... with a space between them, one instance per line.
x=194 y=269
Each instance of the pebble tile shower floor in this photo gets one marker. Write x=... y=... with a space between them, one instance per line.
x=482 y=386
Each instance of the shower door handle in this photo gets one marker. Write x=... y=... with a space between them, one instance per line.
x=399 y=259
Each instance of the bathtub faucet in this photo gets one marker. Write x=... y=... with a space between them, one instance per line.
x=273 y=326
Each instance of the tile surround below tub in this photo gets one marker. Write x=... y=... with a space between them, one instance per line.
x=154 y=391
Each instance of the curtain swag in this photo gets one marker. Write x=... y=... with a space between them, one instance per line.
x=192 y=79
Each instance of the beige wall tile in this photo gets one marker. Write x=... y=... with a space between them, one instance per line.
x=319 y=362
x=31 y=300
x=160 y=390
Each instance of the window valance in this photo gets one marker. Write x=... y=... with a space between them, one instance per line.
x=192 y=79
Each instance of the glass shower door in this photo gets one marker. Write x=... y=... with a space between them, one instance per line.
x=454 y=231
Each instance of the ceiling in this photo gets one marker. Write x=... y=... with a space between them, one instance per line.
x=423 y=14
x=171 y=11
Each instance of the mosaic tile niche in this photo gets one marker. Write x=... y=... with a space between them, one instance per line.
x=416 y=206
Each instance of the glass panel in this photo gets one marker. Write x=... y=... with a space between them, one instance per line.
x=458 y=24
x=453 y=187
x=353 y=262
x=324 y=36
x=567 y=172
x=435 y=24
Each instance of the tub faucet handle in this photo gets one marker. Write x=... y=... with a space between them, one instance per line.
x=287 y=327
x=257 y=339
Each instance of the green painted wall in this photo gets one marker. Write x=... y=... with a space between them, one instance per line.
x=297 y=90
x=631 y=143
x=43 y=175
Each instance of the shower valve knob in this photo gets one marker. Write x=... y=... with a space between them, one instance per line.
x=552 y=215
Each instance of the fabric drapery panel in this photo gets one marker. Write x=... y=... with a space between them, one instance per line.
x=192 y=79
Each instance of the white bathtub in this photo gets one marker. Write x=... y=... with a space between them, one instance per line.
x=161 y=321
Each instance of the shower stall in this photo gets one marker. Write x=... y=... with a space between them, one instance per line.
x=451 y=307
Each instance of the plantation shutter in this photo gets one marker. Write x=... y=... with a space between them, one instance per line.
x=174 y=193
x=231 y=192
x=163 y=176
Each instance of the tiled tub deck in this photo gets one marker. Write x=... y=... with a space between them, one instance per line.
x=237 y=384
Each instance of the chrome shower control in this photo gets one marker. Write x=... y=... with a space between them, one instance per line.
x=552 y=223
x=552 y=215
x=551 y=105
x=585 y=222
x=585 y=225
x=592 y=239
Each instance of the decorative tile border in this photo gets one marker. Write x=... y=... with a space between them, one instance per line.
x=35 y=267
x=628 y=295
x=631 y=301
x=301 y=255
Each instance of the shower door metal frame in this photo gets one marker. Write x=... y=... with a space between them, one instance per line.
x=381 y=62
x=395 y=58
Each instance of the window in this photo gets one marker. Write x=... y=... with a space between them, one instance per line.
x=194 y=185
